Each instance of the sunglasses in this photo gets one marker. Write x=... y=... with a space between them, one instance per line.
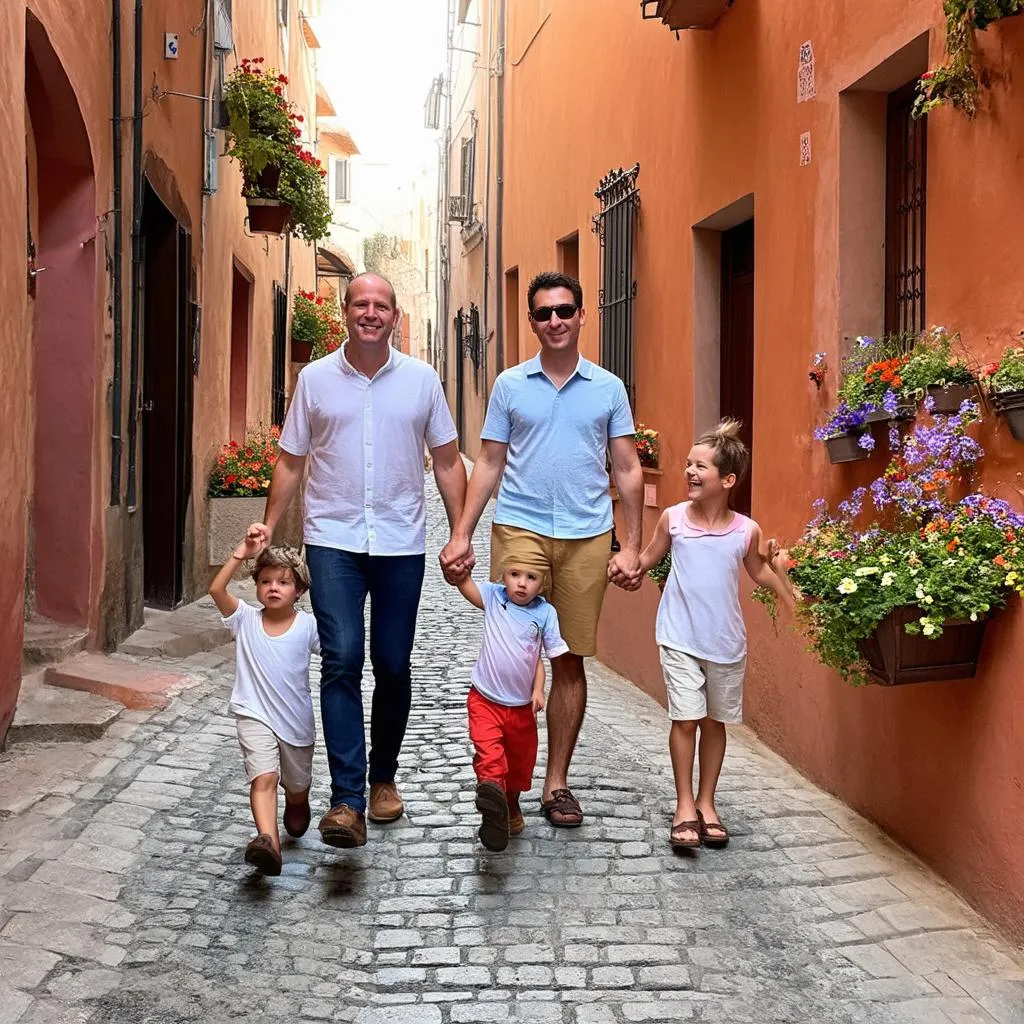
x=564 y=311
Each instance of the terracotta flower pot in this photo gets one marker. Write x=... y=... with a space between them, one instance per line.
x=268 y=216
x=845 y=448
x=1010 y=405
x=895 y=657
x=949 y=398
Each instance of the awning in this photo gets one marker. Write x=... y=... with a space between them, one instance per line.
x=333 y=261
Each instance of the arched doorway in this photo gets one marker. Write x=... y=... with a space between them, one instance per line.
x=61 y=220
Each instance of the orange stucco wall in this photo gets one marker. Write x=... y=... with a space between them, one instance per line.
x=83 y=555
x=713 y=117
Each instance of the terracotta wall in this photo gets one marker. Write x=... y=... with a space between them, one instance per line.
x=14 y=411
x=712 y=118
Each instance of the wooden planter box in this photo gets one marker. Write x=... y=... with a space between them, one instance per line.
x=846 y=449
x=895 y=657
x=949 y=399
x=302 y=351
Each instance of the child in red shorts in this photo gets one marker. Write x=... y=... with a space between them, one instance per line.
x=507 y=693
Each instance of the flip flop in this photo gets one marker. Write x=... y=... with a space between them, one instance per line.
x=566 y=806
x=717 y=839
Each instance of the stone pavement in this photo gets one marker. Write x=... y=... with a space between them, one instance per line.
x=123 y=897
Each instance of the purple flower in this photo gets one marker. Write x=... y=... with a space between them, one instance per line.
x=890 y=402
x=894 y=438
x=850 y=508
x=866 y=441
x=865 y=342
x=929 y=403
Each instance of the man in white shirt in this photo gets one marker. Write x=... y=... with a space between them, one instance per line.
x=360 y=418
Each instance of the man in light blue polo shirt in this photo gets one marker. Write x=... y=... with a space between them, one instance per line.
x=551 y=424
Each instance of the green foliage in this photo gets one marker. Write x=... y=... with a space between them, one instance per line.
x=378 y=248
x=263 y=129
x=933 y=361
x=660 y=572
x=1008 y=373
x=956 y=81
x=767 y=598
x=873 y=368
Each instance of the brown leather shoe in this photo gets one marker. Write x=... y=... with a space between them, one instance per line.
x=492 y=804
x=385 y=802
x=260 y=853
x=297 y=817
x=344 y=827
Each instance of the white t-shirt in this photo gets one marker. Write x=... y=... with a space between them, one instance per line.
x=272 y=673
x=364 y=439
x=513 y=635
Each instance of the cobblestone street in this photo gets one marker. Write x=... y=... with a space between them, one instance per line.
x=123 y=896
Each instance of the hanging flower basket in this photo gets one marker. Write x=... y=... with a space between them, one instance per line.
x=846 y=448
x=895 y=656
x=1004 y=381
x=268 y=216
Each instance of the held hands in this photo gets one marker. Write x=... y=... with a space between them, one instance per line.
x=457 y=560
x=624 y=570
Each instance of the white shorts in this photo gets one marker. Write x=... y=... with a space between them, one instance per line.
x=265 y=754
x=702 y=689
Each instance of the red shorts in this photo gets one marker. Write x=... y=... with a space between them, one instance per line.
x=505 y=740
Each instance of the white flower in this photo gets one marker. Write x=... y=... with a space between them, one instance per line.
x=919 y=594
x=929 y=599
x=974 y=616
x=847 y=585
x=885 y=560
x=887 y=579
x=914 y=570
x=928 y=628
x=866 y=570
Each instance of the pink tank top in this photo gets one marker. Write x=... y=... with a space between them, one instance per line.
x=700 y=610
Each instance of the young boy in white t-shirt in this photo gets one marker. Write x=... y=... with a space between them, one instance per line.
x=271 y=700
x=507 y=693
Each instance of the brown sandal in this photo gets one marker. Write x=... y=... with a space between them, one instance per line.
x=566 y=806
x=678 y=830
x=716 y=840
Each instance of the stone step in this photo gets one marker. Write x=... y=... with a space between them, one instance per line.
x=47 y=714
x=165 y=641
x=134 y=686
x=47 y=642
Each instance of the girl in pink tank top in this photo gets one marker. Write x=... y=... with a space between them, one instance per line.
x=700 y=632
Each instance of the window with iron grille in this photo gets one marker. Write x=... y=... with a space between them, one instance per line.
x=280 y=355
x=614 y=226
x=906 y=185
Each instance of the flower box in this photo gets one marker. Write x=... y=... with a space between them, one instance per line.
x=896 y=657
x=846 y=448
x=1010 y=405
x=947 y=399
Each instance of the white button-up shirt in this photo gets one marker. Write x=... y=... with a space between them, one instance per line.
x=365 y=439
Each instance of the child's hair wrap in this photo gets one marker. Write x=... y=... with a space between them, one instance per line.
x=731 y=454
x=283 y=558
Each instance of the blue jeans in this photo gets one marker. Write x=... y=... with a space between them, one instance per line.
x=340 y=582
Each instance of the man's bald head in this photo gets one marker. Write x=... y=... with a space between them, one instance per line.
x=368 y=276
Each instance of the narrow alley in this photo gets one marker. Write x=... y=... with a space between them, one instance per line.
x=123 y=896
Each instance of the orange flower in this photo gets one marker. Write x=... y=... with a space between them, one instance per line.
x=999 y=560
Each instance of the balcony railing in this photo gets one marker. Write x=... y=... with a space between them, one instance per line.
x=683 y=14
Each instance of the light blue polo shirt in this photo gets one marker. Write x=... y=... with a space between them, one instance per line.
x=555 y=481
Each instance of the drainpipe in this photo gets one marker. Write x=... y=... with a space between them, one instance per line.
x=136 y=280
x=115 y=412
x=499 y=197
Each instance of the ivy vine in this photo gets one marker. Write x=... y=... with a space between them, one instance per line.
x=956 y=81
